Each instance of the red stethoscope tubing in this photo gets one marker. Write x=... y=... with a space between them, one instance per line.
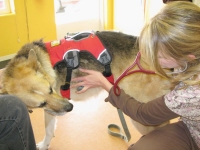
x=128 y=72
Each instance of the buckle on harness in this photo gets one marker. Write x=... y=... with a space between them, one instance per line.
x=105 y=59
x=79 y=35
x=72 y=58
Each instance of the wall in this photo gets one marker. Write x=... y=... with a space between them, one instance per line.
x=41 y=19
x=32 y=20
x=128 y=16
x=152 y=8
x=197 y=2
x=13 y=31
x=108 y=14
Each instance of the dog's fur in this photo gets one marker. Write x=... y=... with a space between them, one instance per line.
x=30 y=76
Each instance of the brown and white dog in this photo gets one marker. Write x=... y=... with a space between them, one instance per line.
x=38 y=79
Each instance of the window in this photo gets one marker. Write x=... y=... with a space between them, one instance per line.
x=68 y=11
x=5 y=7
x=78 y=15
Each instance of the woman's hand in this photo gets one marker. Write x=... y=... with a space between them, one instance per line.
x=1 y=74
x=93 y=79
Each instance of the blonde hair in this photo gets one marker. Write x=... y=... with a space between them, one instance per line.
x=174 y=32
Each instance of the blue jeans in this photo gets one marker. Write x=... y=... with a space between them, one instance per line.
x=16 y=132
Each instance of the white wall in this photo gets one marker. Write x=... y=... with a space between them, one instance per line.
x=152 y=8
x=128 y=16
x=197 y=2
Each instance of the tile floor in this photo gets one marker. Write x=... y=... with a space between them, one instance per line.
x=85 y=128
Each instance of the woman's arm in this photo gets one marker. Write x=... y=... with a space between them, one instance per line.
x=154 y=112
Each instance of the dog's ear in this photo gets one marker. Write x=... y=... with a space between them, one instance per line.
x=32 y=56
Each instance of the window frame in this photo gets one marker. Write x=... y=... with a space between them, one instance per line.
x=6 y=9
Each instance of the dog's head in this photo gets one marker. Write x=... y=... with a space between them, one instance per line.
x=27 y=79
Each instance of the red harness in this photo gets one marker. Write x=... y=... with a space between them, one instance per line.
x=68 y=49
x=59 y=49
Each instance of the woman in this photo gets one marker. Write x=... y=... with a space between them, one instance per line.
x=16 y=132
x=170 y=40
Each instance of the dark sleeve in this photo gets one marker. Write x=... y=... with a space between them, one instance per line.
x=154 y=112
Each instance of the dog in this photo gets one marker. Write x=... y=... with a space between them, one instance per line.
x=38 y=80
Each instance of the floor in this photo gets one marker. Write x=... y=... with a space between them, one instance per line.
x=85 y=128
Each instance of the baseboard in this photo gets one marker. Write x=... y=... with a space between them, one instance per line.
x=7 y=57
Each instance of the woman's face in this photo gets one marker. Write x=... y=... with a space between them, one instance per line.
x=167 y=62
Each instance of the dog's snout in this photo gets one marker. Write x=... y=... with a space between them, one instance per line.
x=69 y=107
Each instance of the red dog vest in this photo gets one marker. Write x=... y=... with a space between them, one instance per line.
x=68 y=50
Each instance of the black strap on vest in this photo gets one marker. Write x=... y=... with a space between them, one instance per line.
x=72 y=61
x=67 y=80
x=105 y=59
x=107 y=72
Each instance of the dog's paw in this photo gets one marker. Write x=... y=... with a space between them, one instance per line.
x=42 y=146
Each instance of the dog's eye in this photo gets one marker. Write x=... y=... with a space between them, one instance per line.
x=51 y=90
x=43 y=104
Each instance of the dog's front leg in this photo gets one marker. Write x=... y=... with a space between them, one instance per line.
x=50 y=124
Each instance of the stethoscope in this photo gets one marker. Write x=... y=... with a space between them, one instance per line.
x=128 y=72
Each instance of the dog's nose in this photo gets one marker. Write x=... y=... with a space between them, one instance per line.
x=69 y=107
